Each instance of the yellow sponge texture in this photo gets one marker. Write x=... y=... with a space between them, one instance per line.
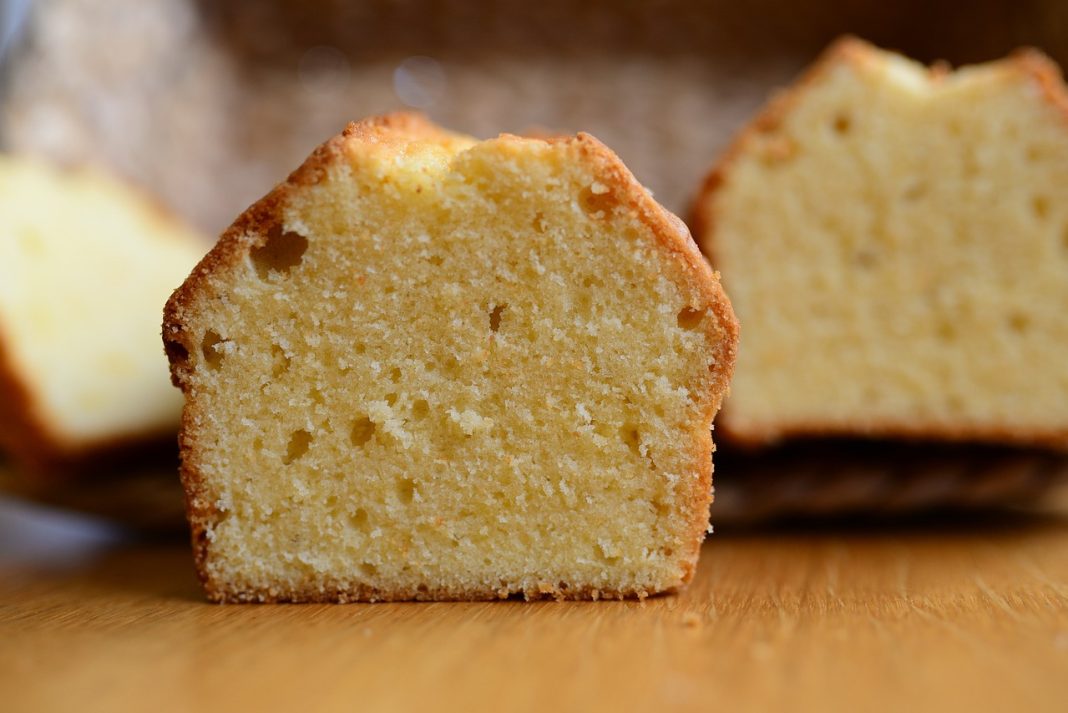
x=429 y=367
x=895 y=242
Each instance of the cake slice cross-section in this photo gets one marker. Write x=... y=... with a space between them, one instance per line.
x=85 y=261
x=895 y=240
x=430 y=367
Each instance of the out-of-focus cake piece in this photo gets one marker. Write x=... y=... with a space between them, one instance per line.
x=85 y=262
x=427 y=367
x=895 y=242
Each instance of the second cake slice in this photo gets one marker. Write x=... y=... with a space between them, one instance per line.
x=895 y=241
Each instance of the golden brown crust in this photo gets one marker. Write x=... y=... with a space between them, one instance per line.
x=848 y=49
x=22 y=433
x=1046 y=73
x=761 y=435
x=42 y=454
x=250 y=230
x=341 y=594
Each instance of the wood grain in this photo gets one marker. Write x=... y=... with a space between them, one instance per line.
x=969 y=616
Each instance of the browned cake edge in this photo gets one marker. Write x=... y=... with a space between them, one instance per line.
x=1033 y=65
x=41 y=455
x=23 y=434
x=251 y=229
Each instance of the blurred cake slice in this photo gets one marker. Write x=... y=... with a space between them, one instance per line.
x=84 y=264
x=895 y=242
x=427 y=367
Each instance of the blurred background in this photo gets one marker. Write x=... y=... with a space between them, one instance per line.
x=207 y=104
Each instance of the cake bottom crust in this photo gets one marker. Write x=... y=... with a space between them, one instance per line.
x=363 y=593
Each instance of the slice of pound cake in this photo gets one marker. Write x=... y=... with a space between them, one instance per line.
x=895 y=241
x=427 y=367
x=84 y=263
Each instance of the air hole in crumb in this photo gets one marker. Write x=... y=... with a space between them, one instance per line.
x=299 y=443
x=914 y=191
x=451 y=366
x=584 y=303
x=597 y=200
x=1040 y=206
x=209 y=348
x=395 y=375
x=604 y=556
x=946 y=331
x=843 y=124
x=279 y=361
x=495 y=317
x=405 y=490
x=602 y=429
x=660 y=508
x=435 y=260
x=359 y=519
x=1019 y=323
x=866 y=259
x=630 y=436
x=281 y=253
x=367 y=569
x=539 y=222
x=317 y=396
x=391 y=399
x=422 y=589
x=257 y=444
x=690 y=318
x=668 y=552
x=362 y=431
x=420 y=408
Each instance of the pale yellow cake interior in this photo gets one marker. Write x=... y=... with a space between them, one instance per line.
x=896 y=250
x=85 y=263
x=454 y=370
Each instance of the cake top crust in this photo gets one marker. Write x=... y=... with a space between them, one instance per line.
x=851 y=53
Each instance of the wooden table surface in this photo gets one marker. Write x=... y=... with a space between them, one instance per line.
x=971 y=615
